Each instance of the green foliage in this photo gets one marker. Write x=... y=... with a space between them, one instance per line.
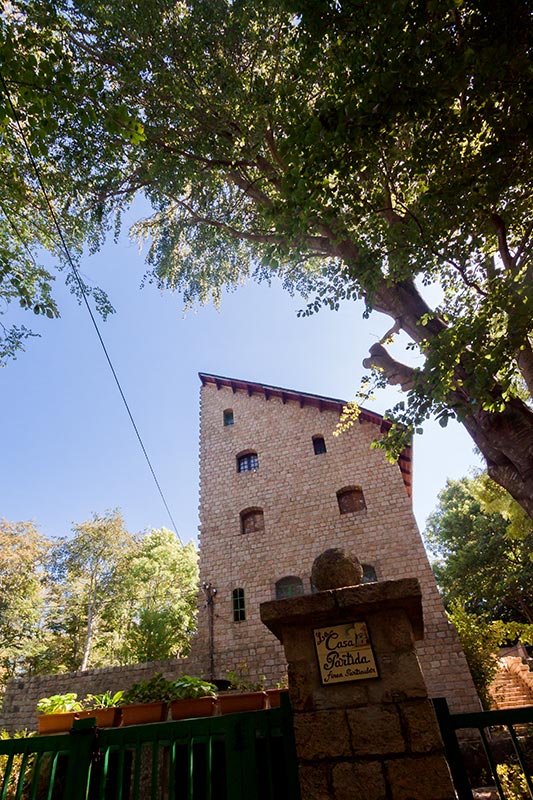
x=240 y=679
x=85 y=569
x=98 y=598
x=158 y=586
x=480 y=644
x=23 y=552
x=513 y=781
x=59 y=704
x=188 y=687
x=156 y=689
x=479 y=559
x=103 y=700
x=495 y=500
x=353 y=151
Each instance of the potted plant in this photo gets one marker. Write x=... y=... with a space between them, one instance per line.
x=274 y=695
x=146 y=701
x=246 y=695
x=105 y=707
x=57 y=712
x=193 y=697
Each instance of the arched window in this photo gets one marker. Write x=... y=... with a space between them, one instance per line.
x=252 y=520
x=319 y=445
x=289 y=586
x=237 y=601
x=228 y=416
x=369 y=573
x=247 y=461
x=350 y=499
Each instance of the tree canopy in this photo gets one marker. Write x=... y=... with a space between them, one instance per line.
x=353 y=149
x=99 y=597
x=481 y=562
x=23 y=553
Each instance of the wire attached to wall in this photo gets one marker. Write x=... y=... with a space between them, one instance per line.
x=85 y=299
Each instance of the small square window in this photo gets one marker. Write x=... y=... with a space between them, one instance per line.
x=252 y=521
x=247 y=462
x=351 y=499
x=228 y=417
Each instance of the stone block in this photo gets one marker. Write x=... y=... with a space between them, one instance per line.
x=301 y=686
x=298 y=643
x=425 y=778
x=390 y=630
x=421 y=726
x=314 y=782
x=375 y=730
x=399 y=679
x=340 y=695
x=355 y=781
x=323 y=734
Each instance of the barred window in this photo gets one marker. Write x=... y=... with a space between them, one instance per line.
x=289 y=586
x=319 y=445
x=228 y=416
x=369 y=573
x=351 y=499
x=239 y=610
x=252 y=520
x=247 y=462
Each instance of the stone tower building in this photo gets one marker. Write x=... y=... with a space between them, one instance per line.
x=277 y=489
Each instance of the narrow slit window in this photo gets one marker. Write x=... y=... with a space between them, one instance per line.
x=247 y=462
x=351 y=499
x=228 y=417
x=252 y=521
x=239 y=610
x=319 y=445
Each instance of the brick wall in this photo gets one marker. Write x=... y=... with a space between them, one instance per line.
x=297 y=491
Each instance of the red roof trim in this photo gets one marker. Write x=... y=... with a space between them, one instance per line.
x=315 y=400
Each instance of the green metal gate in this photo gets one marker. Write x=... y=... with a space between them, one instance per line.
x=247 y=756
x=514 y=723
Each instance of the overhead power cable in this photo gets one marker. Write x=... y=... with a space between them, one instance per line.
x=85 y=300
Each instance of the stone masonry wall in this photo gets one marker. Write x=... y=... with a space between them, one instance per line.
x=296 y=490
x=22 y=695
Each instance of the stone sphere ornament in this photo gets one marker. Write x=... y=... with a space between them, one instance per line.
x=334 y=569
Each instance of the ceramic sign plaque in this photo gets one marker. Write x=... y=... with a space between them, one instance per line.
x=344 y=653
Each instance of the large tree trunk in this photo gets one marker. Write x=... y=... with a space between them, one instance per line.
x=505 y=438
x=506 y=441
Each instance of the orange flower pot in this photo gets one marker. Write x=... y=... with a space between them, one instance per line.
x=55 y=723
x=193 y=707
x=105 y=717
x=274 y=697
x=235 y=702
x=144 y=713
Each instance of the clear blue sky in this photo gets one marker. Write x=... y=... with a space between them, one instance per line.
x=67 y=446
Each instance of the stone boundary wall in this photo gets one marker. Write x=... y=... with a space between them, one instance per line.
x=22 y=694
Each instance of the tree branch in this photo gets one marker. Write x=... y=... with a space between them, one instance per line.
x=394 y=371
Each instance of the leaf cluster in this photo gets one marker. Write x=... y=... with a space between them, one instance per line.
x=479 y=561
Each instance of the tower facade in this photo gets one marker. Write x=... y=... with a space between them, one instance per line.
x=276 y=490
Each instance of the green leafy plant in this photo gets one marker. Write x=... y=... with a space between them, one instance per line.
x=240 y=679
x=283 y=682
x=187 y=688
x=156 y=689
x=513 y=781
x=59 y=704
x=480 y=644
x=104 y=700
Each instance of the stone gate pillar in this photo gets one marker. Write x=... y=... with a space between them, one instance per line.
x=364 y=727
